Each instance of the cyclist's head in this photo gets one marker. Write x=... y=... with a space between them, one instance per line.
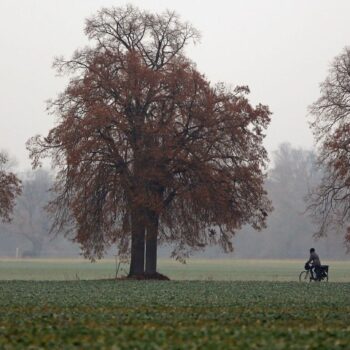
x=312 y=250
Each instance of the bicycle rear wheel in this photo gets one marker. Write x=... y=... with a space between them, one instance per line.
x=304 y=276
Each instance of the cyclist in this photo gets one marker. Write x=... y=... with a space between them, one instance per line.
x=315 y=262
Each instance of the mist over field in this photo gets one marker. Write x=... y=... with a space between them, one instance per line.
x=281 y=50
x=288 y=235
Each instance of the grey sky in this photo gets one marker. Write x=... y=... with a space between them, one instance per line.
x=280 y=48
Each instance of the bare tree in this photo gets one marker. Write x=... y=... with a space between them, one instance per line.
x=330 y=202
x=157 y=37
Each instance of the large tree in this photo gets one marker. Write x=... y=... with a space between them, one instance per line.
x=330 y=202
x=146 y=148
x=10 y=188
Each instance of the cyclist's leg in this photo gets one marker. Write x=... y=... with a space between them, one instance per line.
x=318 y=272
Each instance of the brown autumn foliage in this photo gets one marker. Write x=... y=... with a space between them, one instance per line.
x=330 y=202
x=10 y=188
x=147 y=149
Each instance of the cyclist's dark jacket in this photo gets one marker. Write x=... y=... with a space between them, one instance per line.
x=314 y=259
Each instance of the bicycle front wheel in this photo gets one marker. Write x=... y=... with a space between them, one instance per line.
x=304 y=276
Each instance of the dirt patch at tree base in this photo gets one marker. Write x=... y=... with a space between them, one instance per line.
x=146 y=276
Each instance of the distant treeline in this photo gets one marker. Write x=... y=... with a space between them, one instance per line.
x=289 y=231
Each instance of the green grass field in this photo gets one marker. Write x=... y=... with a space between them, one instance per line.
x=174 y=315
x=227 y=304
x=194 y=269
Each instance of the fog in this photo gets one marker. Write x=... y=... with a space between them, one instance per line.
x=281 y=49
x=289 y=231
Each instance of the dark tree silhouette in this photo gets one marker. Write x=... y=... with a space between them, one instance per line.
x=146 y=148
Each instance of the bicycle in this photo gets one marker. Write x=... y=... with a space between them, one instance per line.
x=308 y=275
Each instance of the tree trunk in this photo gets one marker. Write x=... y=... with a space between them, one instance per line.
x=137 y=263
x=151 y=243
